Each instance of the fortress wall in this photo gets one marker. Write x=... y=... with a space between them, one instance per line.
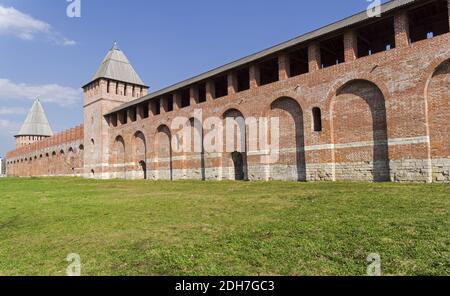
x=384 y=118
x=60 y=155
x=367 y=102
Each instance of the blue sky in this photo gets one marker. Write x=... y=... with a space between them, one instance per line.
x=44 y=52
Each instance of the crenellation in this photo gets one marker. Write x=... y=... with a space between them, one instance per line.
x=314 y=59
x=176 y=99
x=232 y=83
x=255 y=77
x=193 y=95
x=284 y=68
x=351 y=45
x=401 y=27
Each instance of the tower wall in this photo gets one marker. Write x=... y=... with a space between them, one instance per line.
x=99 y=99
x=22 y=141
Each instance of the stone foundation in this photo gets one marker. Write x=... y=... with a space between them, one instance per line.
x=441 y=170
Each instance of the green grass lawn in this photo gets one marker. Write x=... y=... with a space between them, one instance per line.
x=222 y=228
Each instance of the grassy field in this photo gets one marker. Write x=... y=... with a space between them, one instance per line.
x=215 y=228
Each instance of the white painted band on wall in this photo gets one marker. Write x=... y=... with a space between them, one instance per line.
x=391 y=142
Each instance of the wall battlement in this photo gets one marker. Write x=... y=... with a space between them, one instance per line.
x=59 y=155
x=71 y=135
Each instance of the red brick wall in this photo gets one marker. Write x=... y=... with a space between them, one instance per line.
x=358 y=116
x=438 y=110
x=379 y=97
x=384 y=117
x=60 y=155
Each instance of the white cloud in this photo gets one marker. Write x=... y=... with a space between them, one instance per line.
x=68 y=42
x=12 y=111
x=25 y=27
x=49 y=93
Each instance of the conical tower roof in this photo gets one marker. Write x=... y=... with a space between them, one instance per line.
x=116 y=66
x=36 y=123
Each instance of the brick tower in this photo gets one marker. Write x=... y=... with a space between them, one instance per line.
x=35 y=128
x=115 y=82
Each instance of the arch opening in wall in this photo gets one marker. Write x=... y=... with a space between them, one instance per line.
x=438 y=112
x=72 y=161
x=140 y=153
x=235 y=144
x=291 y=163
x=143 y=166
x=63 y=164
x=163 y=149
x=81 y=147
x=317 y=119
x=359 y=132
x=239 y=166
x=119 y=157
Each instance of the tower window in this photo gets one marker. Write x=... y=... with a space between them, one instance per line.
x=155 y=107
x=185 y=98
x=298 y=61
x=376 y=37
x=428 y=21
x=201 y=93
x=268 y=71
x=113 y=120
x=132 y=114
x=220 y=87
x=170 y=103
x=144 y=110
x=107 y=86
x=332 y=51
x=317 y=119
x=243 y=79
